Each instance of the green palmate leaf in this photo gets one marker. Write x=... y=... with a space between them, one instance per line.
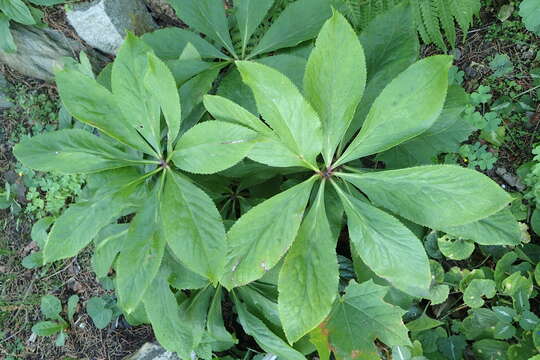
x=319 y=338
x=383 y=243
x=259 y=239
x=362 y=316
x=171 y=326
x=139 y=261
x=160 y=82
x=225 y=110
x=93 y=104
x=266 y=339
x=249 y=15
x=181 y=277
x=82 y=221
x=391 y=46
x=70 y=152
x=406 y=107
x=424 y=322
x=309 y=277
x=213 y=146
x=445 y=136
x=436 y=196
x=299 y=22
x=500 y=228
x=192 y=227
x=455 y=249
x=46 y=328
x=109 y=242
x=335 y=67
x=489 y=349
x=50 y=307
x=206 y=16
x=17 y=11
x=171 y=42
x=139 y=106
x=283 y=107
x=472 y=296
x=7 y=43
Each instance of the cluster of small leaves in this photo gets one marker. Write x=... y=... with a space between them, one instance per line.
x=51 y=308
x=23 y=12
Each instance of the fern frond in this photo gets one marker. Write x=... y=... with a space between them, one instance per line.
x=431 y=22
x=447 y=20
x=464 y=11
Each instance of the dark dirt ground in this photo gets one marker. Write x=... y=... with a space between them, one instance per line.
x=21 y=289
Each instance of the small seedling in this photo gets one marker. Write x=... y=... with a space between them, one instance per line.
x=51 y=307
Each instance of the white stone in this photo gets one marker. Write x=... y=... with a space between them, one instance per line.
x=104 y=24
x=151 y=351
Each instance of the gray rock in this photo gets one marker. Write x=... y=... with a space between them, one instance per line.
x=4 y=102
x=510 y=179
x=151 y=351
x=39 y=51
x=103 y=24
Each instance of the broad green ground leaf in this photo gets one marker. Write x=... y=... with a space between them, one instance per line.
x=500 y=228
x=488 y=349
x=309 y=277
x=249 y=15
x=170 y=325
x=196 y=308
x=438 y=294
x=336 y=66
x=206 y=16
x=50 y=307
x=7 y=43
x=300 y=21
x=170 y=43
x=93 y=104
x=424 y=322
x=17 y=11
x=109 y=242
x=46 y=328
x=213 y=146
x=39 y=230
x=73 y=301
x=472 y=296
x=436 y=196
x=269 y=150
x=224 y=109
x=360 y=317
x=260 y=238
x=82 y=221
x=70 y=151
x=193 y=227
x=407 y=107
x=97 y=309
x=387 y=246
x=284 y=108
x=266 y=339
x=139 y=105
x=455 y=249
x=390 y=44
x=452 y=347
x=160 y=82
x=140 y=260
x=529 y=10
x=289 y=65
x=445 y=136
